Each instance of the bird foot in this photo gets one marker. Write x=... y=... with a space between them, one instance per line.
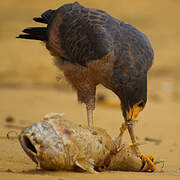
x=149 y=160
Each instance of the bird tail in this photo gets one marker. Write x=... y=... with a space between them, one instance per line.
x=38 y=33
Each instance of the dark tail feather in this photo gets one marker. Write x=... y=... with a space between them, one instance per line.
x=38 y=33
x=45 y=17
x=41 y=20
x=35 y=33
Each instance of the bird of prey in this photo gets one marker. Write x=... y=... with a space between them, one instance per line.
x=91 y=47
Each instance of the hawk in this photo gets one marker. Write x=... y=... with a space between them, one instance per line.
x=91 y=47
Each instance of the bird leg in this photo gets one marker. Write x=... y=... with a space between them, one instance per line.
x=118 y=140
x=87 y=96
x=90 y=117
x=131 y=133
x=146 y=159
x=90 y=106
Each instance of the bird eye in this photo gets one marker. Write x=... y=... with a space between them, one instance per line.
x=141 y=104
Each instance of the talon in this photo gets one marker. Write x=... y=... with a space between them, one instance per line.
x=149 y=160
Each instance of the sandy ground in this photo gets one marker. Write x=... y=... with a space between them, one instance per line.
x=159 y=121
x=29 y=89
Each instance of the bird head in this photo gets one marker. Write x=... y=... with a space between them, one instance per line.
x=134 y=111
x=133 y=98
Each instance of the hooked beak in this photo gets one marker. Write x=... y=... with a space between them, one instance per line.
x=133 y=113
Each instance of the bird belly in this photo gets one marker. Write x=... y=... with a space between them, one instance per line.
x=102 y=70
x=96 y=72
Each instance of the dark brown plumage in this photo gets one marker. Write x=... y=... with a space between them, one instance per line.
x=91 y=47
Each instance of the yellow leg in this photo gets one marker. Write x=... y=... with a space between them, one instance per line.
x=147 y=159
x=123 y=129
x=118 y=139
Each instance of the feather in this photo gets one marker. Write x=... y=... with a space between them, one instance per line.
x=34 y=33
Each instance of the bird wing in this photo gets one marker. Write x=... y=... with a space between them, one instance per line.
x=84 y=34
x=79 y=34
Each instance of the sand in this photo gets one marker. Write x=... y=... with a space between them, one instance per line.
x=29 y=89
